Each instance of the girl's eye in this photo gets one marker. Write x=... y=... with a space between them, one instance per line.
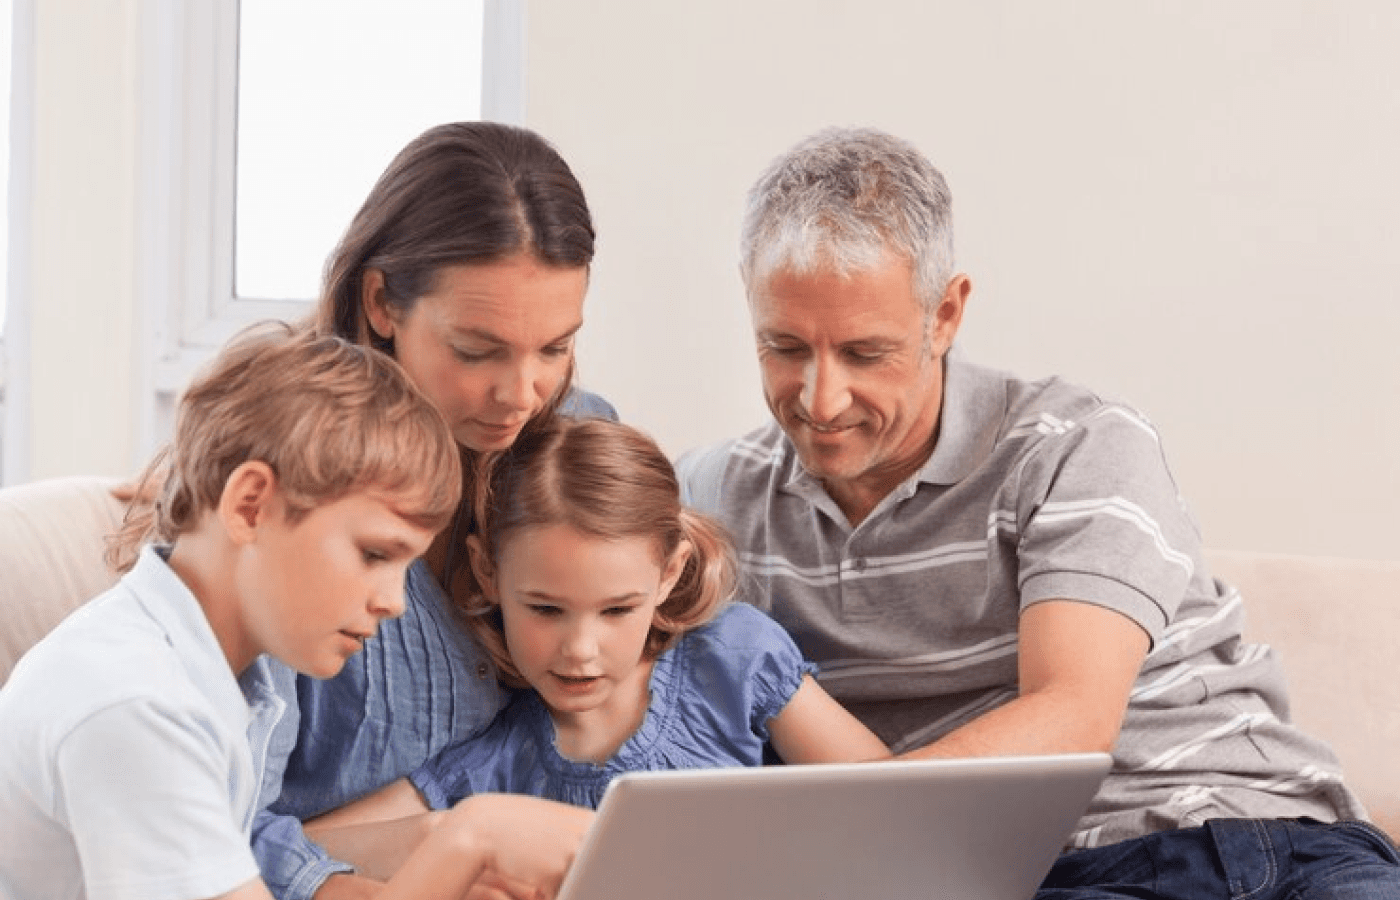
x=618 y=610
x=541 y=609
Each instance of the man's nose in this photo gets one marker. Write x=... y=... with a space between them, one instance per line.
x=826 y=392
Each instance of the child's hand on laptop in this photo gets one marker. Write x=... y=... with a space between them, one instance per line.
x=530 y=842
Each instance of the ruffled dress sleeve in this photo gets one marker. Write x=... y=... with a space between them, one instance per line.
x=727 y=680
x=505 y=758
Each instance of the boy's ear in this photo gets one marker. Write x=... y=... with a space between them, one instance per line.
x=481 y=566
x=674 y=567
x=247 y=499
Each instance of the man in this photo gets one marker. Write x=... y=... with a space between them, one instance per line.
x=986 y=566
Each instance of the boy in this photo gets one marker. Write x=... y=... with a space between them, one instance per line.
x=305 y=475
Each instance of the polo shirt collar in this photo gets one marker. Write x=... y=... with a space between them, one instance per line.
x=170 y=603
x=974 y=404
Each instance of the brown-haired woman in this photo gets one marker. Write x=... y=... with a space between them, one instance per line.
x=467 y=263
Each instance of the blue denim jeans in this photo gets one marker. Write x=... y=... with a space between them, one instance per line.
x=1235 y=859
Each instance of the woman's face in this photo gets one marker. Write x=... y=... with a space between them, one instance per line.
x=489 y=344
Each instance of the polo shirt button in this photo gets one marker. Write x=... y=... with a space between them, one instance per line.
x=482 y=670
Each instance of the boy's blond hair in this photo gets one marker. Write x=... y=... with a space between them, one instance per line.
x=328 y=416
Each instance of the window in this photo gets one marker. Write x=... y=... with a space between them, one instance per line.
x=265 y=124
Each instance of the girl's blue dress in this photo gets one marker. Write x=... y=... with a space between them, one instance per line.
x=712 y=696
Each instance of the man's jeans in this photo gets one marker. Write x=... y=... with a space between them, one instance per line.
x=1235 y=859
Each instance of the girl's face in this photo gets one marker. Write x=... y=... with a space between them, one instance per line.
x=577 y=610
x=489 y=344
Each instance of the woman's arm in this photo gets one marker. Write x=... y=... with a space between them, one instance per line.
x=814 y=728
x=396 y=800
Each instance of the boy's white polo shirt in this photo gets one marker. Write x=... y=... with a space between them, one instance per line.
x=125 y=763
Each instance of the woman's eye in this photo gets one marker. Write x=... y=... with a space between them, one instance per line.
x=469 y=356
x=542 y=610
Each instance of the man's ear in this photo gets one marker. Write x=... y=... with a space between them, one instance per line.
x=675 y=567
x=947 y=316
x=375 y=301
x=247 y=500
x=481 y=567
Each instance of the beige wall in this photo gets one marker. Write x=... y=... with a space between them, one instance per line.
x=1185 y=205
x=82 y=255
x=1189 y=206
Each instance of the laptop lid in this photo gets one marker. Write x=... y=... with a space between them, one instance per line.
x=973 y=829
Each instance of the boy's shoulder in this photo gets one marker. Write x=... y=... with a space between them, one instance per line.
x=107 y=652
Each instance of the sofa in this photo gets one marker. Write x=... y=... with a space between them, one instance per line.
x=1334 y=623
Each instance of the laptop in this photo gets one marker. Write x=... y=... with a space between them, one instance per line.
x=964 y=829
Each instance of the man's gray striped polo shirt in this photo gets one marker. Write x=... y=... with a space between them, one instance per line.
x=1035 y=491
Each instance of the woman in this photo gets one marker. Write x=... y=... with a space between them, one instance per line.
x=468 y=263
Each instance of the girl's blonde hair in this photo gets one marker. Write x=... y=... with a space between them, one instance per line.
x=609 y=481
x=330 y=418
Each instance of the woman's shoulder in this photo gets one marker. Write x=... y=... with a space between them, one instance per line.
x=581 y=404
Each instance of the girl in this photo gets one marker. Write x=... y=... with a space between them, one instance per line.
x=603 y=595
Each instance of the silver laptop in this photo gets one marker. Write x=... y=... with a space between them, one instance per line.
x=967 y=829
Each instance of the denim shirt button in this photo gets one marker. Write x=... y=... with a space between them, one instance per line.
x=482 y=670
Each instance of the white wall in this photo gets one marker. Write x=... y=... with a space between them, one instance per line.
x=1189 y=206
x=1186 y=205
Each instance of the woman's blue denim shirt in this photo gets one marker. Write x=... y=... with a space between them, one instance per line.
x=419 y=685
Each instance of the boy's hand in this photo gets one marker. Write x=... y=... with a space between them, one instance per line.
x=531 y=841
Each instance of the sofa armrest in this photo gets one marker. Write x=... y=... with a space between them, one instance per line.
x=52 y=542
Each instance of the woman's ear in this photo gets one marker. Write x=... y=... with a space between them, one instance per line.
x=247 y=500
x=375 y=301
x=480 y=562
x=675 y=566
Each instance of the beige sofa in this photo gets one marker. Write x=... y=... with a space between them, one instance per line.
x=1334 y=623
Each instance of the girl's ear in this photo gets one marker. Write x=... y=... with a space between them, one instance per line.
x=675 y=566
x=481 y=567
x=247 y=500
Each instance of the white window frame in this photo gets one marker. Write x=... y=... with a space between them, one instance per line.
x=14 y=345
x=185 y=185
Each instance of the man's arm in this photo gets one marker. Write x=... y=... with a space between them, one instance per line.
x=1077 y=663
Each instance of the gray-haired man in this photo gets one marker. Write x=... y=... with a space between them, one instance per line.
x=984 y=565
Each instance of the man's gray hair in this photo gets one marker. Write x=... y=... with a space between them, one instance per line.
x=841 y=199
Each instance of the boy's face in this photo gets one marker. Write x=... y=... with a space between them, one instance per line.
x=312 y=592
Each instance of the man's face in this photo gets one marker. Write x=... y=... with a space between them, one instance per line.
x=852 y=370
